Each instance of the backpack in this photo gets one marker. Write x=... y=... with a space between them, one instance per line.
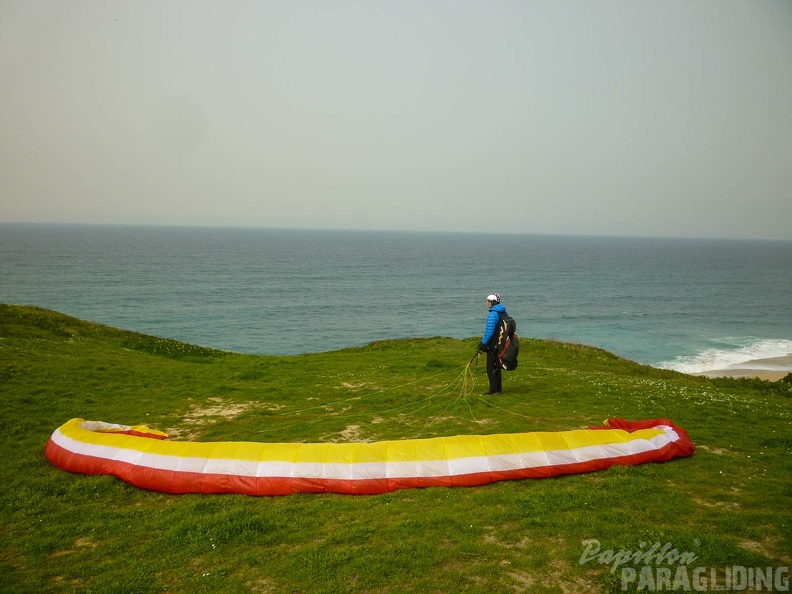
x=508 y=346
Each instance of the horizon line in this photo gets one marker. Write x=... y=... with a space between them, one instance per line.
x=394 y=230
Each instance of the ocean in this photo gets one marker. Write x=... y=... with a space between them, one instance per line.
x=686 y=304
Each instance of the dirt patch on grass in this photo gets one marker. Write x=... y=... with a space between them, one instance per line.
x=711 y=450
x=80 y=543
x=84 y=542
x=490 y=539
x=557 y=575
x=524 y=581
x=351 y=434
x=728 y=505
x=216 y=408
x=768 y=547
x=263 y=585
x=368 y=385
x=570 y=585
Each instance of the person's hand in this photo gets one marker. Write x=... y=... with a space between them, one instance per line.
x=482 y=348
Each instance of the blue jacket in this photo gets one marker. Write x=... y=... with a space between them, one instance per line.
x=492 y=322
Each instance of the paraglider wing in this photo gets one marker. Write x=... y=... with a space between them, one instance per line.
x=143 y=457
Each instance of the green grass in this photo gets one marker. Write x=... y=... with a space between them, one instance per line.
x=730 y=504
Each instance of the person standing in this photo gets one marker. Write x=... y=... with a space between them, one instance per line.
x=489 y=343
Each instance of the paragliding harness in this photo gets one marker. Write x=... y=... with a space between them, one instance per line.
x=508 y=346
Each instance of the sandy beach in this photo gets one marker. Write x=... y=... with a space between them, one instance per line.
x=772 y=369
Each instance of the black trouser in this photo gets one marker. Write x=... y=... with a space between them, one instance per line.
x=494 y=372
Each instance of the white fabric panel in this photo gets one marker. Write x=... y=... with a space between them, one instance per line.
x=365 y=470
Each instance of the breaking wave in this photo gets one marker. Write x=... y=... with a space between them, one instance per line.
x=765 y=354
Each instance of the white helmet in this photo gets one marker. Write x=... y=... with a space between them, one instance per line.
x=495 y=297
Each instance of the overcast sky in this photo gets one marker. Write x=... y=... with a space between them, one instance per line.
x=617 y=117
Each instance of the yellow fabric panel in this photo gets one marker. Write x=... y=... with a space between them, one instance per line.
x=439 y=448
x=466 y=446
x=552 y=441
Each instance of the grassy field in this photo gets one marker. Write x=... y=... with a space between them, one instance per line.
x=730 y=504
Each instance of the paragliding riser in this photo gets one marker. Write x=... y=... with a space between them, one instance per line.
x=141 y=457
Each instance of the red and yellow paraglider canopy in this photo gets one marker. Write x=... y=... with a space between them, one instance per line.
x=145 y=458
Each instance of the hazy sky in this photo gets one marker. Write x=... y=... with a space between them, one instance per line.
x=623 y=117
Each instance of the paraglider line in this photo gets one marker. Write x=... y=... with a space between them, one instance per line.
x=511 y=412
x=462 y=387
x=450 y=388
x=382 y=391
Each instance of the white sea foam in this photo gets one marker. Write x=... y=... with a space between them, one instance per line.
x=753 y=356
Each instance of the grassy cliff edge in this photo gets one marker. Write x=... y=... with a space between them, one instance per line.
x=729 y=505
